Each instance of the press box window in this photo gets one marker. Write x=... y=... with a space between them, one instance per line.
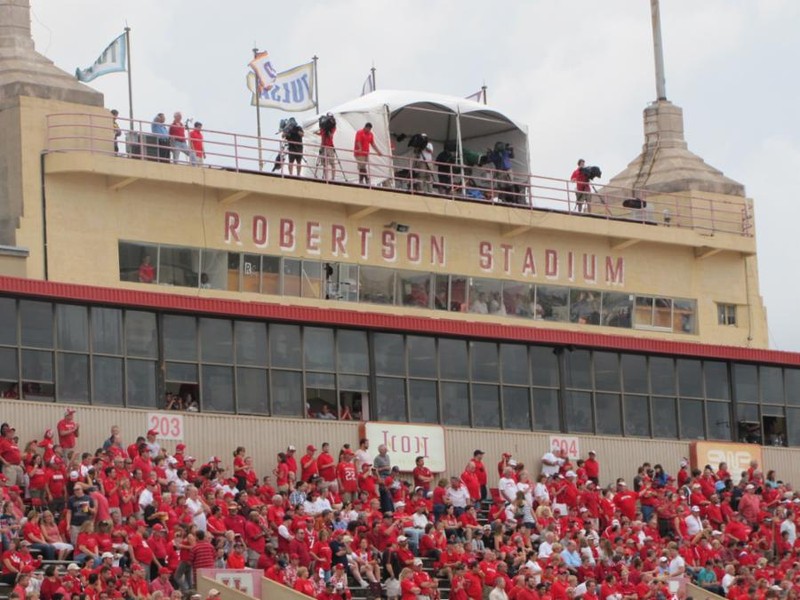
x=726 y=314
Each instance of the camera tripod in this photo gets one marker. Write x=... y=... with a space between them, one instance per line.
x=334 y=162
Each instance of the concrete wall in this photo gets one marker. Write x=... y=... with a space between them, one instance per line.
x=219 y=435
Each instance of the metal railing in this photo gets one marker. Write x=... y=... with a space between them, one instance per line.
x=478 y=183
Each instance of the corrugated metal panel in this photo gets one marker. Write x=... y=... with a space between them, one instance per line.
x=352 y=318
x=785 y=462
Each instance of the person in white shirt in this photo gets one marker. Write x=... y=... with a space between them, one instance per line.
x=197 y=508
x=507 y=485
x=694 y=524
x=789 y=527
x=677 y=566
x=729 y=578
x=551 y=464
x=499 y=590
x=458 y=495
x=540 y=492
x=362 y=454
x=546 y=547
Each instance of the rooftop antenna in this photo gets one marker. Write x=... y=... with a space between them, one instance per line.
x=658 y=47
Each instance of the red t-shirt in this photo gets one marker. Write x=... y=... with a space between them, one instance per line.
x=581 y=179
x=66 y=434
x=422 y=472
x=364 y=139
x=309 y=467
x=326 y=466
x=10 y=451
x=348 y=477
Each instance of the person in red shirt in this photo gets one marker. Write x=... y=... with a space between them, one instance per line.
x=68 y=431
x=197 y=148
x=348 y=478
x=408 y=586
x=625 y=500
x=470 y=480
x=308 y=464
x=11 y=457
x=422 y=475
x=480 y=472
x=592 y=467
x=327 y=152
x=581 y=180
x=326 y=464
x=363 y=142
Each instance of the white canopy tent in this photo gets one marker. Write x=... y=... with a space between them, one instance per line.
x=466 y=124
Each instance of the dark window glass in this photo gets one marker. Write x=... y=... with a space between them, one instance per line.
x=107 y=330
x=216 y=393
x=544 y=366
x=516 y=408
x=352 y=348
x=545 y=410
x=452 y=359
x=745 y=382
x=665 y=418
x=422 y=401
x=141 y=383
x=792 y=378
x=270 y=275
x=141 y=336
x=8 y=321
x=251 y=343
x=584 y=307
x=353 y=383
x=132 y=258
x=748 y=426
x=73 y=377
x=692 y=423
x=36 y=323
x=484 y=361
x=634 y=373
x=252 y=392
x=8 y=364
x=606 y=371
x=287 y=393
x=637 y=415
x=284 y=343
x=772 y=411
x=421 y=356
x=771 y=380
x=716 y=376
x=690 y=378
x=748 y=413
x=554 y=302
x=178 y=266
x=37 y=365
x=72 y=323
x=181 y=372
x=389 y=354
x=108 y=381
x=391 y=399
x=617 y=309
x=608 y=416
x=514 y=358
x=455 y=404
x=180 y=337
x=318 y=349
x=719 y=420
x=321 y=380
x=577 y=367
x=578 y=412
x=485 y=406
x=377 y=285
x=216 y=340
x=215 y=272
x=793 y=426
x=413 y=289
x=662 y=376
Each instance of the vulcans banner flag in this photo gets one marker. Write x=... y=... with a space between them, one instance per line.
x=291 y=90
x=369 y=85
x=112 y=60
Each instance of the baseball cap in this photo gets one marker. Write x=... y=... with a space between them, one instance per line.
x=402 y=538
x=152 y=432
x=69 y=411
x=417 y=561
x=180 y=447
x=311 y=448
x=73 y=567
x=106 y=555
x=592 y=452
x=291 y=448
x=213 y=592
x=695 y=509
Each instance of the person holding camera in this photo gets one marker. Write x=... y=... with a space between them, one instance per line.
x=364 y=141
x=422 y=166
x=582 y=189
x=293 y=134
x=327 y=152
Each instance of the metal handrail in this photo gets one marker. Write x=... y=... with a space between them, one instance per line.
x=482 y=183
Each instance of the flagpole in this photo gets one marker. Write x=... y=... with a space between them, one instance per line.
x=315 y=58
x=483 y=89
x=372 y=70
x=130 y=79
x=258 y=118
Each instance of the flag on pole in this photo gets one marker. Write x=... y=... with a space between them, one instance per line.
x=263 y=70
x=291 y=90
x=369 y=85
x=477 y=96
x=113 y=60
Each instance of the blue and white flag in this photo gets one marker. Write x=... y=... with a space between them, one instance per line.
x=292 y=90
x=113 y=60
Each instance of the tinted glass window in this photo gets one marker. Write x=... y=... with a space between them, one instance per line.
x=516 y=408
x=692 y=422
x=544 y=366
x=251 y=343
x=108 y=380
x=745 y=381
x=37 y=365
x=216 y=340
x=421 y=356
x=637 y=415
x=578 y=412
x=140 y=383
x=180 y=337
x=665 y=418
x=792 y=378
x=285 y=350
x=514 y=359
x=452 y=359
x=719 y=420
x=716 y=376
x=8 y=321
x=216 y=393
x=352 y=348
x=73 y=327
x=484 y=361
x=252 y=392
x=73 y=377
x=485 y=406
x=662 y=376
x=107 y=330
x=422 y=401
x=37 y=323
x=634 y=373
x=545 y=410
x=8 y=364
x=577 y=367
x=609 y=417
x=391 y=399
x=771 y=379
x=319 y=349
x=141 y=336
x=389 y=354
x=690 y=381
x=455 y=404
x=287 y=393
x=606 y=371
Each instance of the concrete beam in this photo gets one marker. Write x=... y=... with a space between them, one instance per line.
x=117 y=183
x=621 y=244
x=706 y=252
x=514 y=231
x=234 y=197
x=359 y=212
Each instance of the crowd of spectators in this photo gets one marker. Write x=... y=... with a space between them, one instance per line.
x=135 y=521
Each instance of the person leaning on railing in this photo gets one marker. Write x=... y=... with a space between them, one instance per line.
x=159 y=129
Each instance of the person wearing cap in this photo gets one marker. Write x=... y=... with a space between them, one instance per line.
x=11 y=457
x=68 y=431
x=309 y=469
x=508 y=485
x=213 y=593
x=750 y=504
x=422 y=164
x=291 y=460
x=162 y=583
x=347 y=475
x=592 y=467
x=551 y=464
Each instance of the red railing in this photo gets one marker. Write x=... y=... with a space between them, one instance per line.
x=481 y=183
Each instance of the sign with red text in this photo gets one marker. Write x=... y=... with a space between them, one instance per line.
x=247 y=581
x=168 y=425
x=737 y=456
x=406 y=442
x=566 y=443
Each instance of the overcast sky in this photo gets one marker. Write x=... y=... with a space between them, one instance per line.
x=577 y=72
